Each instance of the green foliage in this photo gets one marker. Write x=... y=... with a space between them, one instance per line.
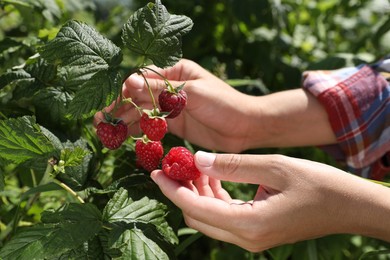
x=155 y=34
x=47 y=144
x=63 y=60
x=123 y=209
x=59 y=232
x=90 y=56
x=21 y=141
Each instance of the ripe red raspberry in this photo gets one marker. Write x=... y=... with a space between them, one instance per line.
x=112 y=135
x=172 y=102
x=178 y=164
x=153 y=127
x=149 y=154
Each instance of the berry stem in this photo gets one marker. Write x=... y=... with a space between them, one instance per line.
x=169 y=85
x=130 y=101
x=68 y=189
x=150 y=92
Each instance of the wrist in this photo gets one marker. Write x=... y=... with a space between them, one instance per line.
x=367 y=209
x=289 y=118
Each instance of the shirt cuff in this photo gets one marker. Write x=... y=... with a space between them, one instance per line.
x=357 y=102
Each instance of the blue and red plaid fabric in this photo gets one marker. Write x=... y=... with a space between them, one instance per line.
x=357 y=100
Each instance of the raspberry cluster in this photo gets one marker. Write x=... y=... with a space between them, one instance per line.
x=178 y=163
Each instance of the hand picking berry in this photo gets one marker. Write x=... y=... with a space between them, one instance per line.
x=148 y=153
x=172 y=102
x=179 y=164
x=112 y=135
x=154 y=127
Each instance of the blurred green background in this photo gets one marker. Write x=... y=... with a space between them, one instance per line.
x=258 y=46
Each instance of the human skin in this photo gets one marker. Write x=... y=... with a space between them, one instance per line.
x=218 y=117
x=296 y=200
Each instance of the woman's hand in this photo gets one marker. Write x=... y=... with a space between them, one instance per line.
x=215 y=116
x=218 y=117
x=296 y=200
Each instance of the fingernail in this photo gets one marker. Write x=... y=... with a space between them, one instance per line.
x=205 y=159
x=136 y=81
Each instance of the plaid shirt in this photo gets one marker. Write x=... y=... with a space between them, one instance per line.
x=357 y=101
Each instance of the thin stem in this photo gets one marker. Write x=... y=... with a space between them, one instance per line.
x=162 y=76
x=68 y=189
x=130 y=101
x=150 y=92
x=48 y=172
x=34 y=179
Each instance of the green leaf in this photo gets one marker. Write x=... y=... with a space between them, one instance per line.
x=73 y=77
x=135 y=244
x=154 y=33
x=121 y=208
x=60 y=232
x=14 y=75
x=78 y=44
x=96 y=249
x=90 y=62
x=98 y=92
x=74 y=164
x=51 y=105
x=22 y=140
x=73 y=157
x=39 y=69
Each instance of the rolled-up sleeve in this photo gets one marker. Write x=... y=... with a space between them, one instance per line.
x=357 y=100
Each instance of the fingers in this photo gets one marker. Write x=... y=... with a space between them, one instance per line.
x=207 y=186
x=245 y=241
x=218 y=191
x=209 y=210
x=203 y=187
x=268 y=170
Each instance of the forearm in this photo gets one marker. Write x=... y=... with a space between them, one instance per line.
x=289 y=118
x=369 y=210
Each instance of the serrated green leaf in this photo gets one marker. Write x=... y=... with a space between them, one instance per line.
x=51 y=105
x=53 y=139
x=121 y=208
x=14 y=75
x=154 y=33
x=74 y=77
x=134 y=244
x=61 y=231
x=94 y=249
x=98 y=92
x=89 y=67
x=75 y=159
x=22 y=140
x=78 y=44
x=39 y=69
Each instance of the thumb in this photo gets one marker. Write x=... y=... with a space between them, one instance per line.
x=255 y=169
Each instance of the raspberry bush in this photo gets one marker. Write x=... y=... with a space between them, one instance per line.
x=47 y=139
x=66 y=196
